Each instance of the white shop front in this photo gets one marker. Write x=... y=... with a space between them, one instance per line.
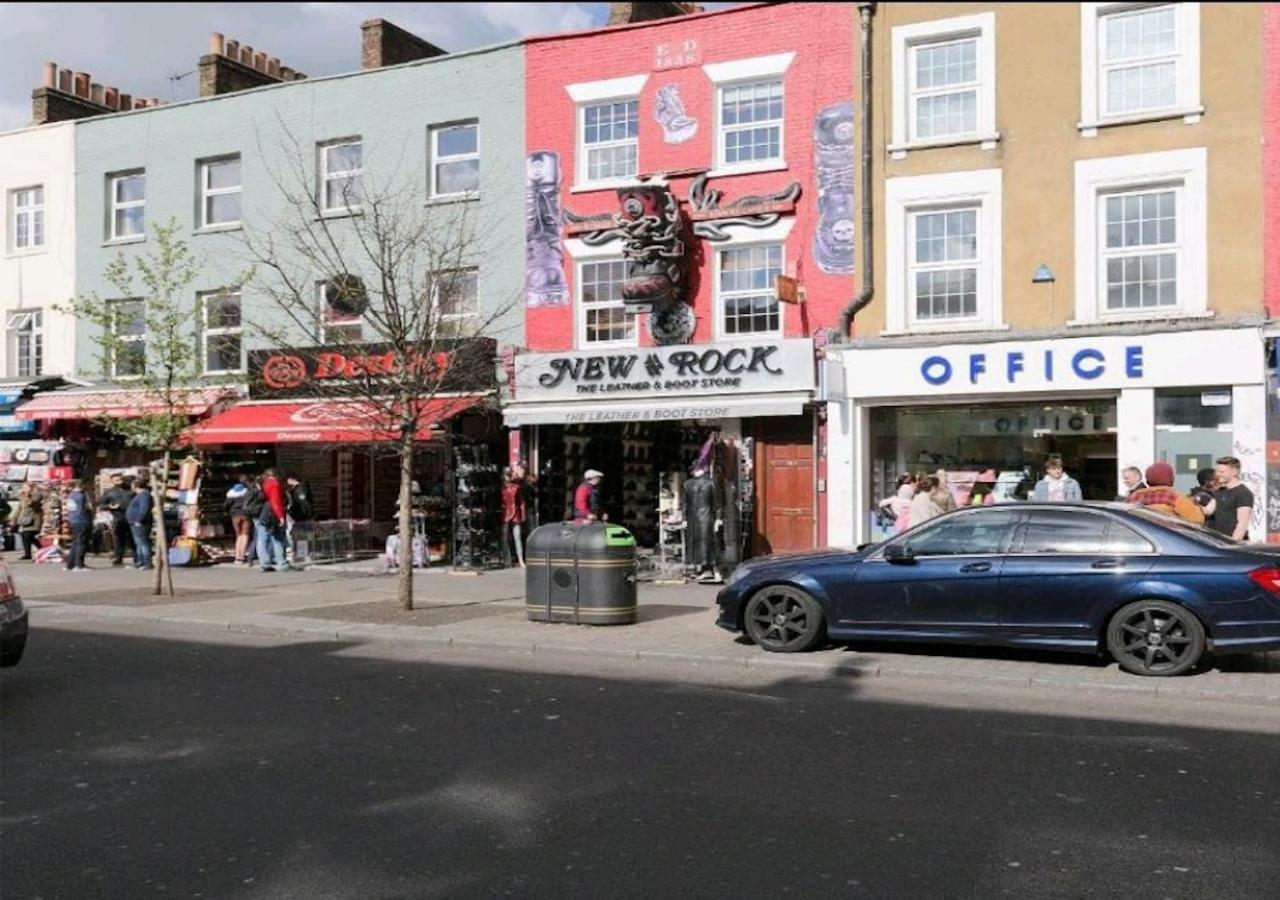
x=1102 y=403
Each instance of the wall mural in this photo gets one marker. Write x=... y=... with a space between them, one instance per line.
x=544 y=255
x=710 y=218
x=668 y=109
x=833 y=171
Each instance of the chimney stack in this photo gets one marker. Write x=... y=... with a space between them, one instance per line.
x=64 y=95
x=630 y=13
x=231 y=66
x=383 y=43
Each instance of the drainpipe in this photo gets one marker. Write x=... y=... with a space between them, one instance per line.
x=865 y=12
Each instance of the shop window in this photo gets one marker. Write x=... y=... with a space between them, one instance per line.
x=220 y=192
x=1138 y=61
x=341 y=176
x=26 y=218
x=745 y=289
x=944 y=238
x=1054 y=531
x=127 y=195
x=221 y=332
x=1193 y=428
x=603 y=318
x=455 y=160
x=944 y=83
x=1140 y=236
x=26 y=344
x=129 y=344
x=971 y=535
x=456 y=297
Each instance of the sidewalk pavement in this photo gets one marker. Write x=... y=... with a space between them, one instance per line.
x=486 y=612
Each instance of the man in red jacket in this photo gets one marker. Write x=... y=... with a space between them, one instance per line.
x=271 y=524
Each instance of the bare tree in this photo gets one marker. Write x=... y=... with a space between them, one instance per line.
x=374 y=251
x=146 y=337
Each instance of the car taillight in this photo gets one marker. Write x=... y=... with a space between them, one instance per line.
x=1267 y=579
x=8 y=590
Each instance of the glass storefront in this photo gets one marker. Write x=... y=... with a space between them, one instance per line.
x=1193 y=428
x=1010 y=441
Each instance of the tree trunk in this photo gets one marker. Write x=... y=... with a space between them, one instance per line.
x=161 y=553
x=404 y=579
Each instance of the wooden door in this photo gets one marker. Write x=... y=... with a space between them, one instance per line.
x=784 y=464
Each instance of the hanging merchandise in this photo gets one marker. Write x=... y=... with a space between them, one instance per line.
x=188 y=473
x=477 y=507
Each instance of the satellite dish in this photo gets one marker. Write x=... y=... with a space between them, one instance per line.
x=345 y=294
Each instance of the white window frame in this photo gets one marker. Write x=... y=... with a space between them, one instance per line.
x=739 y=72
x=921 y=193
x=591 y=93
x=128 y=339
x=1187 y=106
x=914 y=267
x=30 y=321
x=904 y=38
x=206 y=192
x=206 y=332
x=718 y=299
x=459 y=320
x=113 y=206
x=437 y=158
x=322 y=327
x=1095 y=178
x=326 y=176
x=611 y=255
x=29 y=211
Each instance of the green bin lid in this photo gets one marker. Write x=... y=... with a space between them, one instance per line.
x=617 y=536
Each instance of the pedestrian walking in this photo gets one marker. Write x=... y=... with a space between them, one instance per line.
x=115 y=500
x=1233 y=506
x=141 y=518
x=301 y=514
x=586 y=499
x=1057 y=486
x=28 y=517
x=898 y=507
x=514 y=512
x=76 y=508
x=270 y=524
x=942 y=493
x=241 y=524
x=1133 y=481
x=923 y=508
x=1158 y=494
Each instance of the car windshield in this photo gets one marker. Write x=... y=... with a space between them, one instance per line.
x=1186 y=529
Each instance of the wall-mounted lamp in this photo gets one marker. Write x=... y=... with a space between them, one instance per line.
x=1043 y=275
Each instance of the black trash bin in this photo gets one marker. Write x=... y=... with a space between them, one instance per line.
x=584 y=574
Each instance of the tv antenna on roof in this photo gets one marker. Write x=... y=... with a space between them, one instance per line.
x=174 y=77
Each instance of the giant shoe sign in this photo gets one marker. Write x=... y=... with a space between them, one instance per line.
x=690 y=381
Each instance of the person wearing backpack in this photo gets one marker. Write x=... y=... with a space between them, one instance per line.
x=301 y=512
x=241 y=522
x=270 y=522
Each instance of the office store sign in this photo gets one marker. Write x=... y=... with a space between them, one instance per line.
x=757 y=367
x=1109 y=362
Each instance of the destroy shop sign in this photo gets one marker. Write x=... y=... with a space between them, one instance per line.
x=463 y=366
x=685 y=370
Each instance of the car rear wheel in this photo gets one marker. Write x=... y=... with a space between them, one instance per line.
x=784 y=619
x=1155 y=637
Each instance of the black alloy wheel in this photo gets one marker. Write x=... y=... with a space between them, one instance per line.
x=784 y=619
x=1155 y=637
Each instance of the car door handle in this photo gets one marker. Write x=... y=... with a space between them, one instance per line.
x=976 y=567
x=1109 y=564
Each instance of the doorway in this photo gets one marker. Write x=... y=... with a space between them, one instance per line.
x=784 y=465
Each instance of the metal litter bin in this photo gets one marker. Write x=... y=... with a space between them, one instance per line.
x=584 y=574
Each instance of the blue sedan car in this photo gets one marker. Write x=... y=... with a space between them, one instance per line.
x=1154 y=592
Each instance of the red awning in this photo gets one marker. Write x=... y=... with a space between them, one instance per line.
x=120 y=404
x=315 y=422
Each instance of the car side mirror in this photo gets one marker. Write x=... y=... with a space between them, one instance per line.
x=899 y=554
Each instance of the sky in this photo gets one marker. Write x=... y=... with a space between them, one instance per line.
x=138 y=46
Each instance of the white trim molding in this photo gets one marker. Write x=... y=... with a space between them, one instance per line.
x=749 y=69
x=1186 y=105
x=980 y=188
x=1185 y=170
x=906 y=38
x=608 y=89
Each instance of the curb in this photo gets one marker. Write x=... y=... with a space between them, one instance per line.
x=271 y=625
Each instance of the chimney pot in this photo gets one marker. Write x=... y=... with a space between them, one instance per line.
x=217 y=43
x=286 y=73
x=231 y=49
x=126 y=102
x=64 y=81
x=82 y=84
x=111 y=98
x=273 y=67
x=246 y=56
x=51 y=74
x=260 y=61
x=96 y=94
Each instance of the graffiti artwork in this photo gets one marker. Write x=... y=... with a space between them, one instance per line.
x=833 y=168
x=668 y=109
x=544 y=255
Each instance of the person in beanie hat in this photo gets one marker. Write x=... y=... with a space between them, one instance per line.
x=586 y=500
x=1160 y=496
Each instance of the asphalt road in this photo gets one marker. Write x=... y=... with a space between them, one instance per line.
x=139 y=766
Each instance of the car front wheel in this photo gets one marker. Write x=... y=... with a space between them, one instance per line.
x=784 y=619
x=1155 y=637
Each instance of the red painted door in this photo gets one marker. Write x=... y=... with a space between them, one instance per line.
x=785 y=512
